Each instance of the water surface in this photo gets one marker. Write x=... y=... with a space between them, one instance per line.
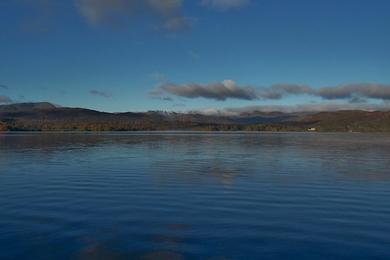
x=194 y=196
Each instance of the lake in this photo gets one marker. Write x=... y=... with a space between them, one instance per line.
x=177 y=195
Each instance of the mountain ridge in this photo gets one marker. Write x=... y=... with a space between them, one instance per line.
x=44 y=116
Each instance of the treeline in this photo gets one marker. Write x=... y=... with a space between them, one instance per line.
x=287 y=127
x=71 y=125
x=58 y=125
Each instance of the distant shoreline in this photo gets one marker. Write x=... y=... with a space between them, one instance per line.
x=180 y=132
x=46 y=117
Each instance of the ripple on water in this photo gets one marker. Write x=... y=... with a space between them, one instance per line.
x=196 y=196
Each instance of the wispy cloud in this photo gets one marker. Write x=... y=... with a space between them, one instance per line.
x=114 y=12
x=224 y=4
x=159 y=77
x=194 y=55
x=229 y=89
x=165 y=15
x=3 y=86
x=5 y=100
x=179 y=23
x=159 y=94
x=100 y=93
x=39 y=18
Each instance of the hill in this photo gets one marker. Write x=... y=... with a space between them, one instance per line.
x=353 y=120
x=48 y=117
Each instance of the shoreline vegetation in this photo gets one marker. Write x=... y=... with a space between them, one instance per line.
x=47 y=117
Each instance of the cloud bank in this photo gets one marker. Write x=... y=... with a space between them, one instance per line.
x=318 y=107
x=355 y=93
x=218 y=91
x=369 y=90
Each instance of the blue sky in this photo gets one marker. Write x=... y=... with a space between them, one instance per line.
x=132 y=55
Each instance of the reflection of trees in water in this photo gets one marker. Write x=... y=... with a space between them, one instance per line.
x=226 y=160
x=52 y=141
x=220 y=157
x=287 y=158
x=43 y=147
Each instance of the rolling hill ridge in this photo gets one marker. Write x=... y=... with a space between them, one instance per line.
x=48 y=117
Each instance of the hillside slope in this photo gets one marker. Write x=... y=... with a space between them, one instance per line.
x=47 y=117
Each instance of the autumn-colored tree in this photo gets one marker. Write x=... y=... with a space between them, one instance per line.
x=3 y=126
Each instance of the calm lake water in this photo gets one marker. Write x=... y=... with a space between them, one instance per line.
x=194 y=196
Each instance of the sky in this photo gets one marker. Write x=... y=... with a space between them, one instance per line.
x=196 y=55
